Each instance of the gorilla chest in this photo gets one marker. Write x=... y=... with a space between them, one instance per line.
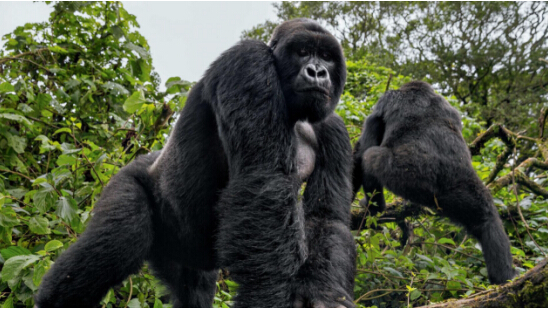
x=307 y=146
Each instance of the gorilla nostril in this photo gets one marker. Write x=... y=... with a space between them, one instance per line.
x=322 y=73
x=311 y=72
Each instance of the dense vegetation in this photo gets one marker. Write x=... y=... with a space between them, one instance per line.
x=79 y=100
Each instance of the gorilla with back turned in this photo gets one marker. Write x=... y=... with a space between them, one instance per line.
x=412 y=145
x=224 y=190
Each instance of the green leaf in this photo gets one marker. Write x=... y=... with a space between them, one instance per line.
x=39 y=199
x=18 y=118
x=446 y=241
x=12 y=42
x=426 y=258
x=18 y=192
x=6 y=87
x=140 y=50
x=43 y=100
x=13 y=251
x=117 y=32
x=66 y=160
x=134 y=303
x=39 y=272
x=116 y=88
x=57 y=49
x=134 y=102
x=158 y=303
x=9 y=302
x=8 y=219
x=393 y=271
x=414 y=294
x=13 y=266
x=18 y=144
x=39 y=225
x=53 y=245
x=66 y=208
x=64 y=129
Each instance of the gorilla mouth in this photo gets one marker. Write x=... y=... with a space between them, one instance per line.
x=320 y=90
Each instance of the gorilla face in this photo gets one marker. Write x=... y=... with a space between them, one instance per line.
x=311 y=66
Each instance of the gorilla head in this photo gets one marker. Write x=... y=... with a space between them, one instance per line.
x=310 y=63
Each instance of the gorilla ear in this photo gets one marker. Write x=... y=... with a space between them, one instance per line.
x=272 y=44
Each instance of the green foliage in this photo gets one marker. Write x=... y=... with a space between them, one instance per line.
x=78 y=101
x=489 y=55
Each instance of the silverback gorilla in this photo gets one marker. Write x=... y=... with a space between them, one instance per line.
x=412 y=145
x=223 y=193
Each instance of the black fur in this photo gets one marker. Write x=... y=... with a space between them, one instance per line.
x=224 y=190
x=412 y=145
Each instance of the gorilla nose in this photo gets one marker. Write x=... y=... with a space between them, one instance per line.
x=316 y=73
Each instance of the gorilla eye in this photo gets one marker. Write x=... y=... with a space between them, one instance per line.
x=302 y=52
x=326 y=56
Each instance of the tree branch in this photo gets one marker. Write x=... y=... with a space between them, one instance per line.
x=528 y=291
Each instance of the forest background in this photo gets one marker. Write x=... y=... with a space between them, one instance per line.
x=79 y=99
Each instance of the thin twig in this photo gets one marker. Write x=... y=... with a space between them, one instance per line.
x=14 y=172
x=41 y=121
x=2 y=60
x=130 y=291
x=32 y=62
x=93 y=167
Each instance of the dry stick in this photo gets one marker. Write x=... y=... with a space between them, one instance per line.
x=542 y=121
x=2 y=60
x=14 y=172
x=11 y=197
x=93 y=167
x=363 y=219
x=32 y=62
x=388 y=82
x=518 y=207
x=130 y=291
x=41 y=121
x=409 y=293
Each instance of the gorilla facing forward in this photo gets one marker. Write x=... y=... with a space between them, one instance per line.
x=224 y=190
x=412 y=145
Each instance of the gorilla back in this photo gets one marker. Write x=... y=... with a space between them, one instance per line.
x=412 y=145
x=224 y=190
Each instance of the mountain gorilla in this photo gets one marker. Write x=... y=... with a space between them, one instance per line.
x=412 y=145
x=224 y=190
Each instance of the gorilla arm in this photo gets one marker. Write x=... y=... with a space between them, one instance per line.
x=260 y=238
x=373 y=133
x=327 y=277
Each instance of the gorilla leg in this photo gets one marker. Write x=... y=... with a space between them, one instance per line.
x=402 y=173
x=326 y=280
x=114 y=245
x=472 y=206
x=190 y=288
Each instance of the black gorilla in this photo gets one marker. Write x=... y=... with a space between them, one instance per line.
x=412 y=145
x=224 y=190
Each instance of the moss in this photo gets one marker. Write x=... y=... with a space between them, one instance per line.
x=534 y=295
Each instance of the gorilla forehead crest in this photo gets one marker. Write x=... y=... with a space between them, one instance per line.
x=300 y=28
